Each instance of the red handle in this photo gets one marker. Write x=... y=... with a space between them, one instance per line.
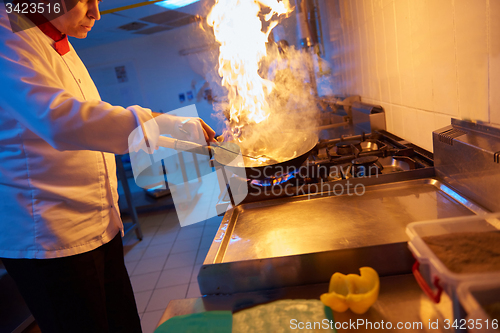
x=425 y=287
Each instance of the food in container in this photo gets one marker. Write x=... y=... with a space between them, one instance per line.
x=467 y=252
x=431 y=272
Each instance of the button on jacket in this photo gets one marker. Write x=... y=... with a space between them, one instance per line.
x=58 y=187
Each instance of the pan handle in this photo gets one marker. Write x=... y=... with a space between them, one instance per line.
x=191 y=147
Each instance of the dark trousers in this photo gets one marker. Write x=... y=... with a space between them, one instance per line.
x=88 y=292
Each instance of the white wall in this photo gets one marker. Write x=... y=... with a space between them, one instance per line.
x=424 y=61
x=156 y=71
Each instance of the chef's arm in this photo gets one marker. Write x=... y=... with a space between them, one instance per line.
x=66 y=122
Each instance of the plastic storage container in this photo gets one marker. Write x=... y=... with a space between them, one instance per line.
x=428 y=269
x=473 y=296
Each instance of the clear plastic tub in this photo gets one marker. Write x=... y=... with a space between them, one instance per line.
x=429 y=270
x=473 y=297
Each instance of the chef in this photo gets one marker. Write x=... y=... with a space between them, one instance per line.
x=60 y=228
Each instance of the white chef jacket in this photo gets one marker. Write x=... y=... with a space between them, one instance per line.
x=58 y=187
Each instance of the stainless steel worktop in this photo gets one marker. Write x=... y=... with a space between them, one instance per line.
x=400 y=301
x=308 y=224
x=305 y=239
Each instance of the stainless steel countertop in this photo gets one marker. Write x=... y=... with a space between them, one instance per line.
x=400 y=301
x=303 y=240
x=308 y=224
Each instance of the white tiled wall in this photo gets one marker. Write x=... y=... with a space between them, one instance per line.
x=424 y=61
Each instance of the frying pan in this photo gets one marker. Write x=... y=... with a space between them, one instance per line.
x=227 y=154
x=300 y=142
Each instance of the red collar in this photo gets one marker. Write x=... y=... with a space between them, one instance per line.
x=61 y=43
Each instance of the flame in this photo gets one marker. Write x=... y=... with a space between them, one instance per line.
x=273 y=180
x=239 y=29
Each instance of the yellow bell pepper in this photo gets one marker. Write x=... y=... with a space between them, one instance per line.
x=352 y=291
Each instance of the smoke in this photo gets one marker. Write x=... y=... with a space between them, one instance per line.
x=293 y=111
x=291 y=107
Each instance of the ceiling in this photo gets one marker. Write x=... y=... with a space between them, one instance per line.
x=139 y=21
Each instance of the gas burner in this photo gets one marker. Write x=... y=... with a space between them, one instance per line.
x=277 y=180
x=345 y=148
x=351 y=147
x=366 y=166
x=371 y=145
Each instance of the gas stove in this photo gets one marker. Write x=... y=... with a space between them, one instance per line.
x=362 y=157
x=341 y=164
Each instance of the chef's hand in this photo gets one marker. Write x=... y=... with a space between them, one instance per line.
x=193 y=129
x=185 y=128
